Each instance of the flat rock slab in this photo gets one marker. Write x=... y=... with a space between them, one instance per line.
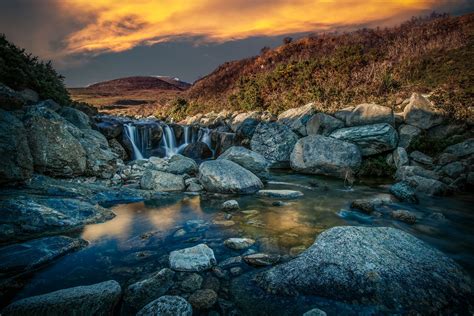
x=280 y=194
x=96 y=299
x=32 y=254
x=194 y=259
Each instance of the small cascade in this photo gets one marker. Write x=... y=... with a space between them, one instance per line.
x=187 y=131
x=205 y=137
x=169 y=141
x=132 y=134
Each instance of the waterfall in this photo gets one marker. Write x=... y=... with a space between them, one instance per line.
x=205 y=137
x=169 y=141
x=132 y=135
x=187 y=138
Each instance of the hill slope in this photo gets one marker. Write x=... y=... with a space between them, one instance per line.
x=382 y=65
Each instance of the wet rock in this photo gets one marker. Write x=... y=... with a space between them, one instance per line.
x=280 y=194
x=324 y=155
x=76 y=117
x=248 y=159
x=371 y=139
x=194 y=259
x=315 y=312
x=261 y=259
x=404 y=216
x=231 y=205
x=191 y=283
x=367 y=206
x=238 y=243
x=167 y=305
x=179 y=164
x=407 y=134
x=197 y=151
x=230 y=262
x=143 y=292
x=400 y=157
x=404 y=192
x=224 y=176
x=421 y=113
x=162 y=181
x=428 y=186
x=16 y=164
x=274 y=141
x=370 y=113
x=193 y=185
x=30 y=255
x=297 y=118
x=96 y=299
x=323 y=124
x=373 y=265
x=203 y=299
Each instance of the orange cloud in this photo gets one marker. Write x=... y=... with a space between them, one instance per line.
x=114 y=26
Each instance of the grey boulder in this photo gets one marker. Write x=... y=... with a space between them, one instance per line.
x=193 y=259
x=162 y=181
x=248 y=159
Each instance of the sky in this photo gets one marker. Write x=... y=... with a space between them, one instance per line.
x=94 y=40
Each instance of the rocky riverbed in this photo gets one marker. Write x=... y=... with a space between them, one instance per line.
x=236 y=213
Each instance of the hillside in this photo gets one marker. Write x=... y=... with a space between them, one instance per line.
x=432 y=54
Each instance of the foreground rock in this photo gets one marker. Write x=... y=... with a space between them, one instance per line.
x=371 y=139
x=194 y=259
x=224 y=176
x=373 y=266
x=275 y=142
x=326 y=156
x=280 y=194
x=248 y=159
x=167 y=306
x=143 y=292
x=96 y=299
x=16 y=164
x=30 y=255
x=162 y=181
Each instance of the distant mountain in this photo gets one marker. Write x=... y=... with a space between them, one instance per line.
x=141 y=83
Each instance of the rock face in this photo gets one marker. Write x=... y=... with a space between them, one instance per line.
x=324 y=155
x=30 y=255
x=248 y=159
x=162 y=181
x=378 y=265
x=371 y=139
x=96 y=299
x=275 y=142
x=167 y=306
x=297 y=118
x=16 y=164
x=194 y=259
x=420 y=113
x=224 y=176
x=197 y=151
x=370 y=113
x=143 y=292
x=323 y=124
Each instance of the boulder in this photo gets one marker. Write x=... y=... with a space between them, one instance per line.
x=238 y=243
x=428 y=186
x=404 y=192
x=203 y=299
x=274 y=141
x=197 y=151
x=179 y=164
x=407 y=134
x=224 y=176
x=101 y=161
x=162 y=181
x=344 y=113
x=230 y=205
x=370 y=113
x=373 y=265
x=371 y=139
x=53 y=144
x=280 y=194
x=75 y=117
x=400 y=157
x=191 y=283
x=10 y=100
x=223 y=141
x=323 y=124
x=167 y=306
x=16 y=164
x=248 y=159
x=247 y=128
x=240 y=118
x=324 y=155
x=297 y=118
x=96 y=299
x=420 y=112
x=28 y=256
x=143 y=292
x=193 y=259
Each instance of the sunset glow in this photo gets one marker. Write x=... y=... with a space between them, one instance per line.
x=115 y=26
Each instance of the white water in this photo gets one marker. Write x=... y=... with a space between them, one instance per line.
x=169 y=141
x=132 y=135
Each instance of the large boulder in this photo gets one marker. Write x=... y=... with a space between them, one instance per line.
x=240 y=118
x=247 y=128
x=323 y=124
x=374 y=265
x=97 y=299
x=193 y=259
x=420 y=112
x=16 y=164
x=76 y=117
x=223 y=141
x=427 y=186
x=274 y=141
x=179 y=164
x=370 y=113
x=248 y=159
x=53 y=144
x=167 y=306
x=297 y=118
x=101 y=160
x=224 y=176
x=162 y=181
x=371 y=139
x=197 y=151
x=324 y=155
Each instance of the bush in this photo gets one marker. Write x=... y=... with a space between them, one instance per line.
x=20 y=70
